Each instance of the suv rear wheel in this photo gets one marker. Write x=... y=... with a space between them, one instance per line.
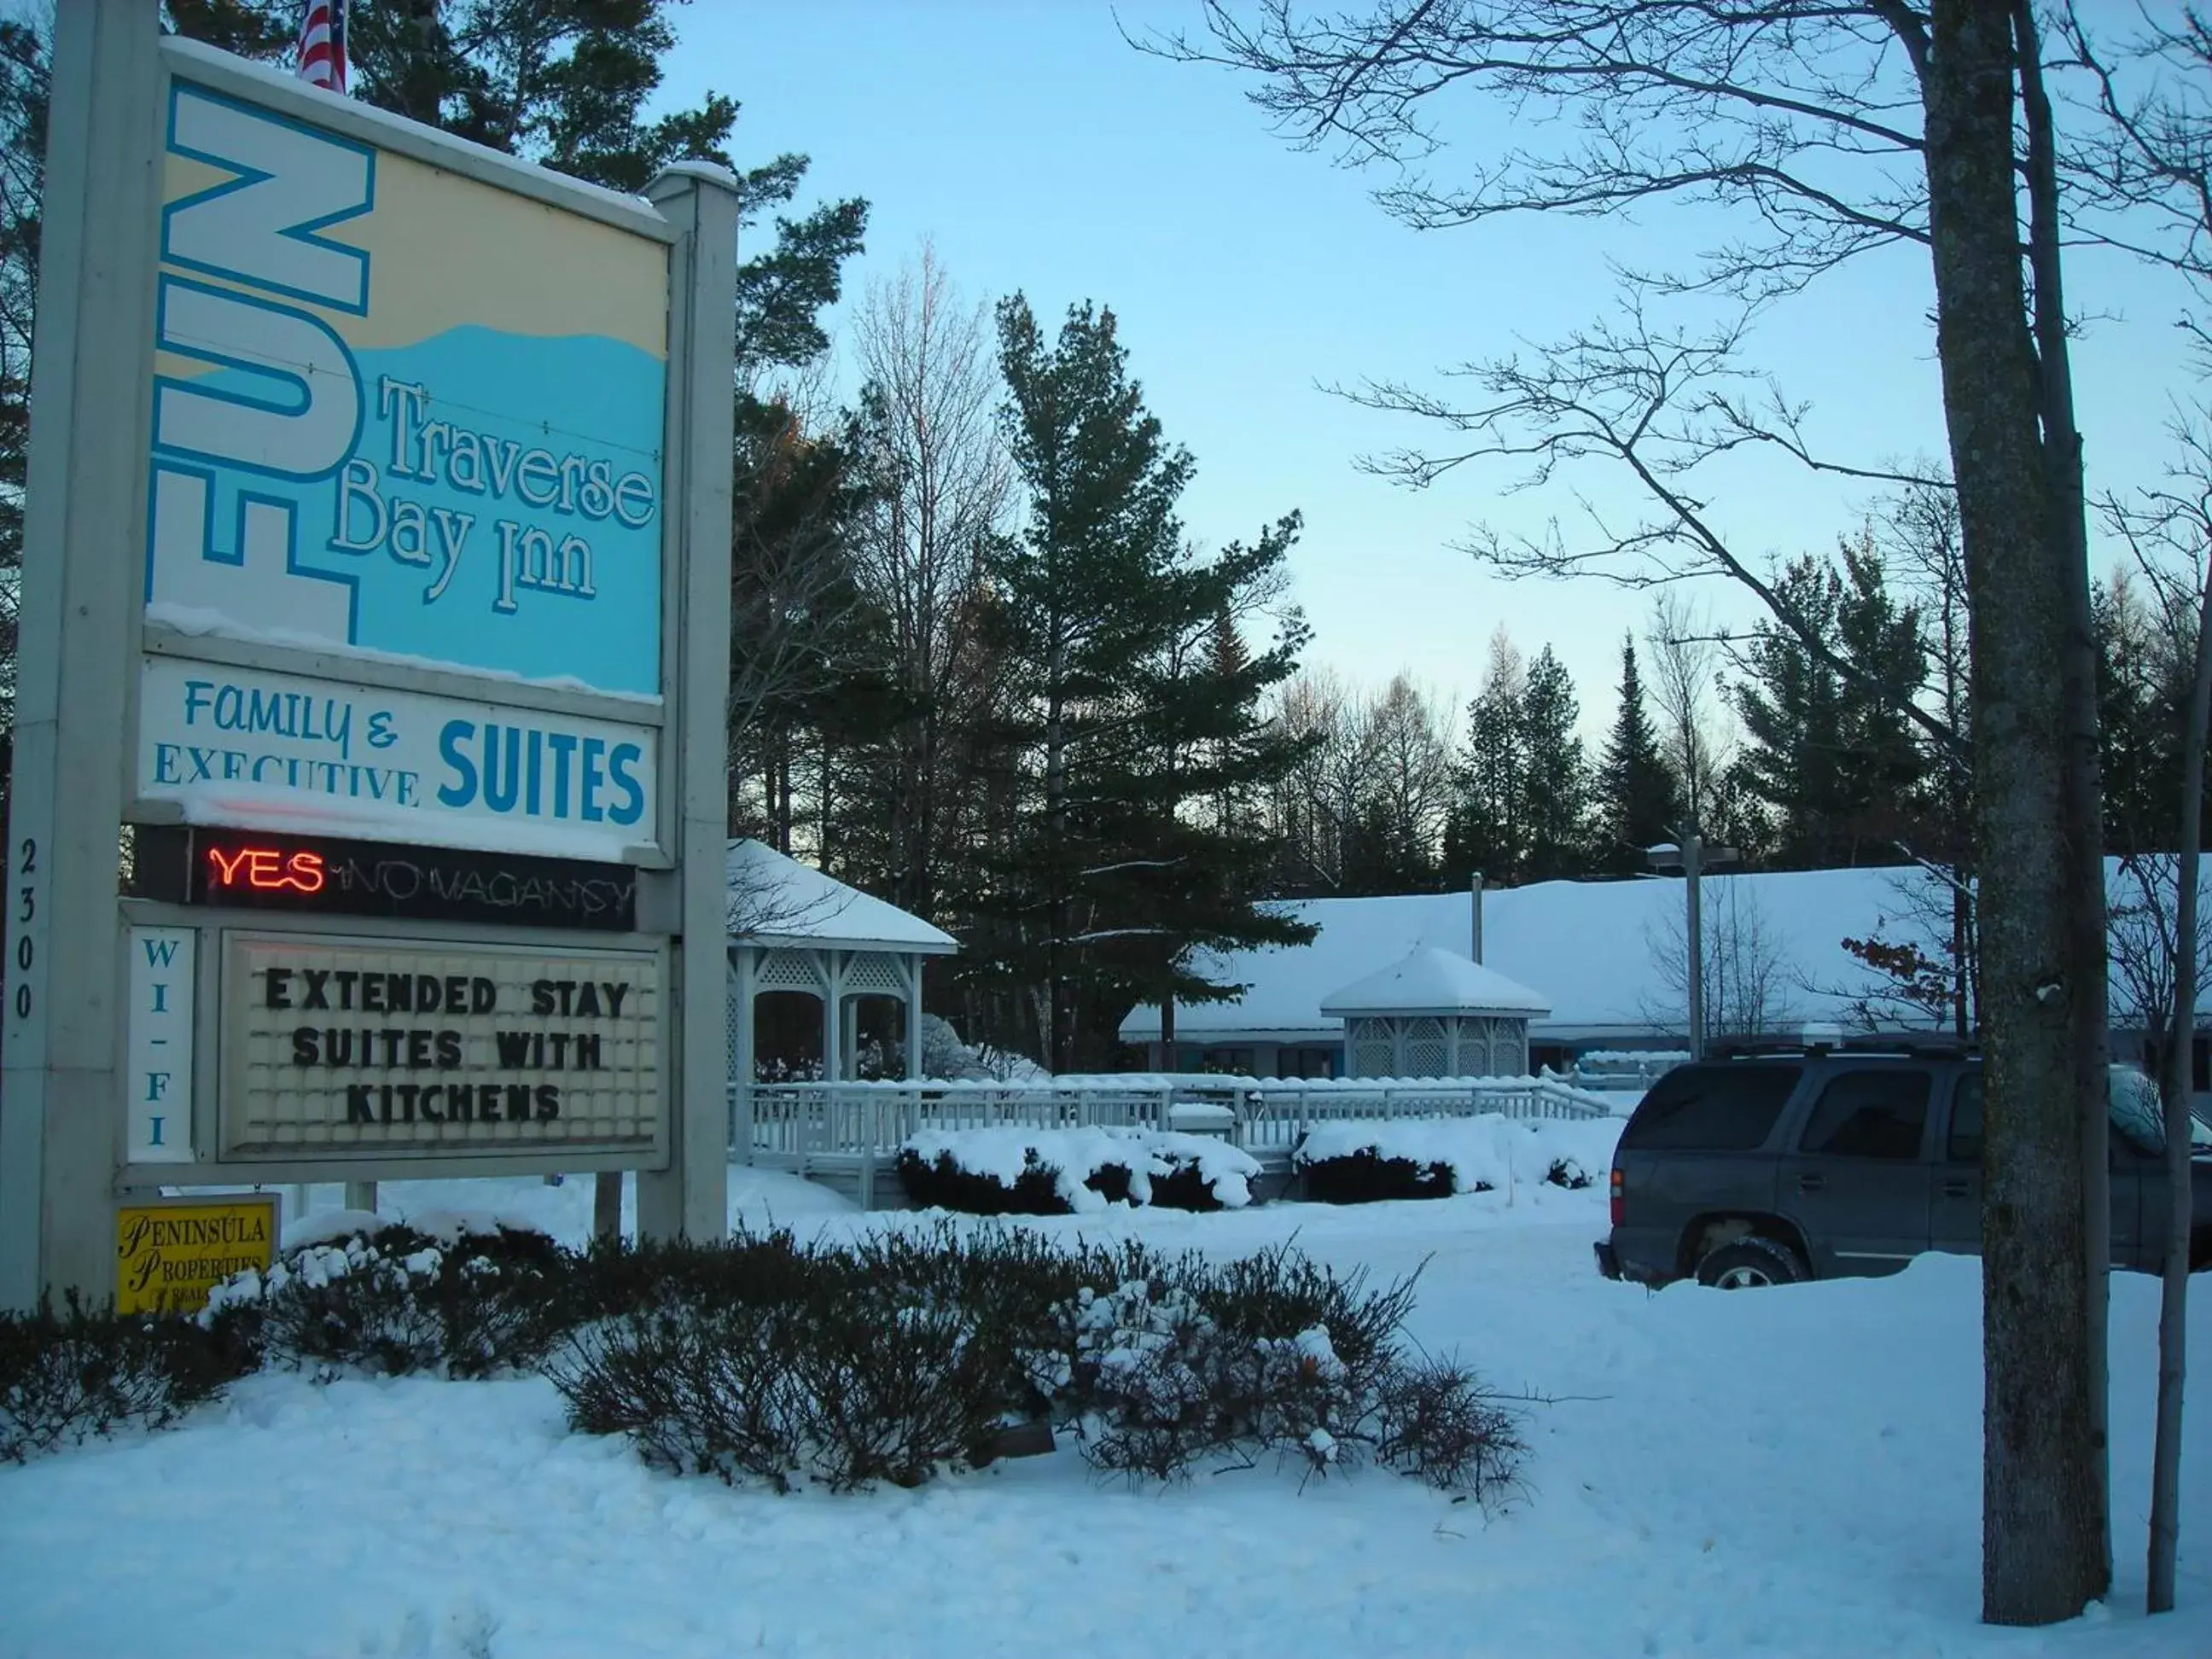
x=1745 y=1264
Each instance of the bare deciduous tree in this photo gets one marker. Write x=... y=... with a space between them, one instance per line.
x=1825 y=130
x=1685 y=684
x=1408 y=738
x=1748 y=978
x=2152 y=169
x=940 y=490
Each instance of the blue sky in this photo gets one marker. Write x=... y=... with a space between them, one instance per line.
x=1039 y=152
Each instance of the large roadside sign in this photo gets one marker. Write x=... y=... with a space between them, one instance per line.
x=376 y=569
x=400 y=415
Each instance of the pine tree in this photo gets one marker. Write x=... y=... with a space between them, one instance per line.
x=1488 y=831
x=1110 y=650
x=1835 y=768
x=1639 y=797
x=1559 y=795
x=1792 y=716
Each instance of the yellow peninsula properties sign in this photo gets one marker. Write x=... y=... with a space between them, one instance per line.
x=170 y=1253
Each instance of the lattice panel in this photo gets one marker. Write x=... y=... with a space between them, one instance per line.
x=1509 y=1047
x=1372 y=1047
x=1425 y=1052
x=873 y=973
x=1473 y=1056
x=787 y=970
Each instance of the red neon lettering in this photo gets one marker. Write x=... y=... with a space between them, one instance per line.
x=267 y=870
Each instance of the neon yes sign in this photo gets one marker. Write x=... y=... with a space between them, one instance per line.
x=264 y=870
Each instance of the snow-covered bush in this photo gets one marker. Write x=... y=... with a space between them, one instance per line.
x=1433 y=1158
x=67 y=1376
x=910 y=1353
x=767 y=1360
x=464 y=1299
x=1158 y=1383
x=1364 y=1175
x=1016 y=1171
x=1267 y=1354
x=945 y=1056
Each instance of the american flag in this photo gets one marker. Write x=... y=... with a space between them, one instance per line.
x=322 y=43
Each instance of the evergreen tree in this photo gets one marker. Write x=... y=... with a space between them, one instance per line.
x=1640 y=799
x=1831 y=763
x=2144 y=648
x=1110 y=653
x=1558 y=774
x=1201 y=854
x=560 y=82
x=1488 y=829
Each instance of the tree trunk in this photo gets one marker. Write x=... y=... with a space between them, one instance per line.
x=2044 y=1525
x=1057 y=917
x=2174 y=1080
x=606 y=1205
x=2088 y=960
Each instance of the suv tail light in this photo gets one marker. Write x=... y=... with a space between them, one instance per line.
x=1615 y=1190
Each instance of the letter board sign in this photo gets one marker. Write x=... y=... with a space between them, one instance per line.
x=335 y=1045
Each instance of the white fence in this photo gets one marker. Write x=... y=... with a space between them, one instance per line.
x=1621 y=1070
x=798 y=1125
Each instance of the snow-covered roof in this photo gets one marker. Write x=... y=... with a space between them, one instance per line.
x=1595 y=950
x=776 y=900
x=1429 y=980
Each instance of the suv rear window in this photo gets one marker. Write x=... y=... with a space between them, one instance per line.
x=1718 y=1108
x=1880 y=1112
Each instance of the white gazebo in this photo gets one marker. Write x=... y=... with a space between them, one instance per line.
x=1436 y=1014
x=792 y=928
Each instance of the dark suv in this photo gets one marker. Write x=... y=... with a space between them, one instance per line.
x=1770 y=1168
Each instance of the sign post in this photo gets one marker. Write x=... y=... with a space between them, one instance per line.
x=376 y=590
x=689 y=1198
x=61 y=1060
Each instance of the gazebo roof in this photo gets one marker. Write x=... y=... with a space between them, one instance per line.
x=1433 y=981
x=775 y=900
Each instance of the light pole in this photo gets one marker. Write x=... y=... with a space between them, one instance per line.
x=1693 y=857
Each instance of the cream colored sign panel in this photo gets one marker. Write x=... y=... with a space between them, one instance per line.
x=336 y=1045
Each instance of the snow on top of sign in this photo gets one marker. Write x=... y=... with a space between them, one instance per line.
x=200 y=622
x=432 y=138
x=1430 y=980
x=773 y=897
x=242 y=806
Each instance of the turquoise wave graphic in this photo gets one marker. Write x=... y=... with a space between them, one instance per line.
x=444 y=570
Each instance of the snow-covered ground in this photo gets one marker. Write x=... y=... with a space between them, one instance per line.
x=1791 y=1472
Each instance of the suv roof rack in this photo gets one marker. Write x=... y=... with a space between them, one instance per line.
x=1901 y=1044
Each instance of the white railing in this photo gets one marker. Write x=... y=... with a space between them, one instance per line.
x=794 y=1123
x=1621 y=1070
